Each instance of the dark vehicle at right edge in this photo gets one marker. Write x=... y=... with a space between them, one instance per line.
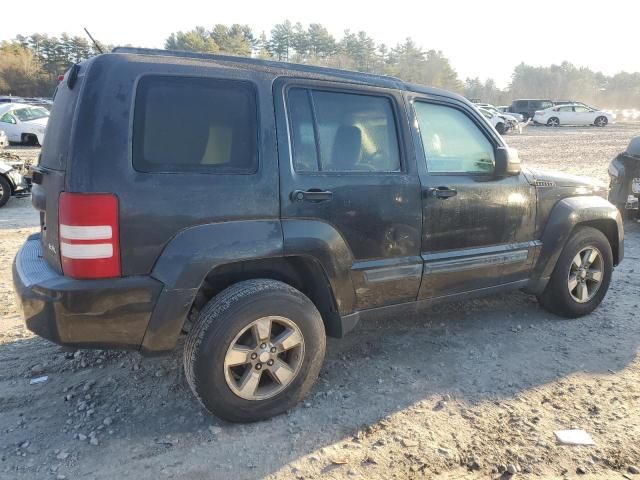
x=624 y=172
x=282 y=204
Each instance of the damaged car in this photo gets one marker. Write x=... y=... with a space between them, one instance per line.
x=624 y=172
x=12 y=182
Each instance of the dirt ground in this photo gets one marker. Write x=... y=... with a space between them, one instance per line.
x=467 y=390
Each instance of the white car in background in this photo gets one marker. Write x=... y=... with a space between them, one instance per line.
x=24 y=123
x=4 y=141
x=499 y=122
x=504 y=109
x=573 y=114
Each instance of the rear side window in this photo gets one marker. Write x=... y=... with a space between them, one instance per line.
x=203 y=125
x=342 y=132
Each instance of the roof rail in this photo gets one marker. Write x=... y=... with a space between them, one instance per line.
x=256 y=61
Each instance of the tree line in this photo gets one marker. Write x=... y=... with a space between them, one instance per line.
x=30 y=65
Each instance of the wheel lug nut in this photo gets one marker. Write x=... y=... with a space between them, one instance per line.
x=254 y=356
x=273 y=349
x=270 y=363
x=258 y=366
x=263 y=345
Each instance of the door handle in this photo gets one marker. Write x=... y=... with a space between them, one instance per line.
x=311 y=195
x=441 y=192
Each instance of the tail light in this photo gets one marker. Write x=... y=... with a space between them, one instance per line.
x=89 y=246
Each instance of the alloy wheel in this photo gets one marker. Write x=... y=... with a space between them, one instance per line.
x=585 y=274
x=264 y=358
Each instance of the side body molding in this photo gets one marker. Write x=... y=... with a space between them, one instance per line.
x=322 y=242
x=564 y=217
x=189 y=257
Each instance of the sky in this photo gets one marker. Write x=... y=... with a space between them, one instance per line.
x=481 y=38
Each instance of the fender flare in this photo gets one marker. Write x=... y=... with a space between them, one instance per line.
x=196 y=251
x=187 y=259
x=564 y=217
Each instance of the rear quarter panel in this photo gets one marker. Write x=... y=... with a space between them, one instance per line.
x=154 y=207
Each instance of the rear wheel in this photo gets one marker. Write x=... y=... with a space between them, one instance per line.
x=5 y=190
x=29 y=139
x=582 y=275
x=255 y=350
x=553 y=122
x=601 y=122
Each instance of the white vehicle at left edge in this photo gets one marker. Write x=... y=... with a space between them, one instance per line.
x=24 y=123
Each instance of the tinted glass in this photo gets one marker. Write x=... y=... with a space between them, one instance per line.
x=355 y=133
x=305 y=154
x=452 y=142
x=194 y=125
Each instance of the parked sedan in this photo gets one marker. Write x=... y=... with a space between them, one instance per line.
x=575 y=114
x=499 y=122
x=24 y=123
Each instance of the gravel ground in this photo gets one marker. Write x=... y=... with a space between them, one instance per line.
x=468 y=390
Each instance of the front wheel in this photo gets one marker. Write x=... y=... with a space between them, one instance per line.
x=581 y=276
x=5 y=190
x=255 y=350
x=601 y=122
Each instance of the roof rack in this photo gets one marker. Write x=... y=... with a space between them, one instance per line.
x=256 y=61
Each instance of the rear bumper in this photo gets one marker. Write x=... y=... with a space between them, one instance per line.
x=110 y=313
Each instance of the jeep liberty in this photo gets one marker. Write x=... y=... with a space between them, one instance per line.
x=258 y=206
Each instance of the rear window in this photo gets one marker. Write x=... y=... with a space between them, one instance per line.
x=195 y=125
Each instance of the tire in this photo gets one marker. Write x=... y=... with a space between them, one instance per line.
x=29 y=139
x=5 y=192
x=501 y=129
x=553 y=122
x=220 y=325
x=557 y=297
x=601 y=122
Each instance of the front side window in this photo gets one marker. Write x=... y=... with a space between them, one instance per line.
x=7 y=118
x=579 y=109
x=184 y=124
x=452 y=142
x=342 y=132
x=31 y=113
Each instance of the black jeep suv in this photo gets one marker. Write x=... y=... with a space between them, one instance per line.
x=261 y=206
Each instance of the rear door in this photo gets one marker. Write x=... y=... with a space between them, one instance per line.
x=344 y=162
x=477 y=229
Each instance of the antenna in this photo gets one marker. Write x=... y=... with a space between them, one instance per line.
x=96 y=44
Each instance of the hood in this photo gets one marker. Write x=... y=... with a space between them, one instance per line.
x=546 y=178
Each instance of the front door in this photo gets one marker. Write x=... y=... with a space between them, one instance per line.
x=477 y=229
x=344 y=166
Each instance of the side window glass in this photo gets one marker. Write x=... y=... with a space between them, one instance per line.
x=452 y=142
x=7 y=118
x=185 y=124
x=352 y=132
x=304 y=151
x=579 y=109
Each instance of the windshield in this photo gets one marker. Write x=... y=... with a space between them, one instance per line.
x=31 y=113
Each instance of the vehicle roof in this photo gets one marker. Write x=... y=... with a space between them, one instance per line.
x=279 y=68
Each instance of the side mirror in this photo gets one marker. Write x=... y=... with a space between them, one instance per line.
x=507 y=162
